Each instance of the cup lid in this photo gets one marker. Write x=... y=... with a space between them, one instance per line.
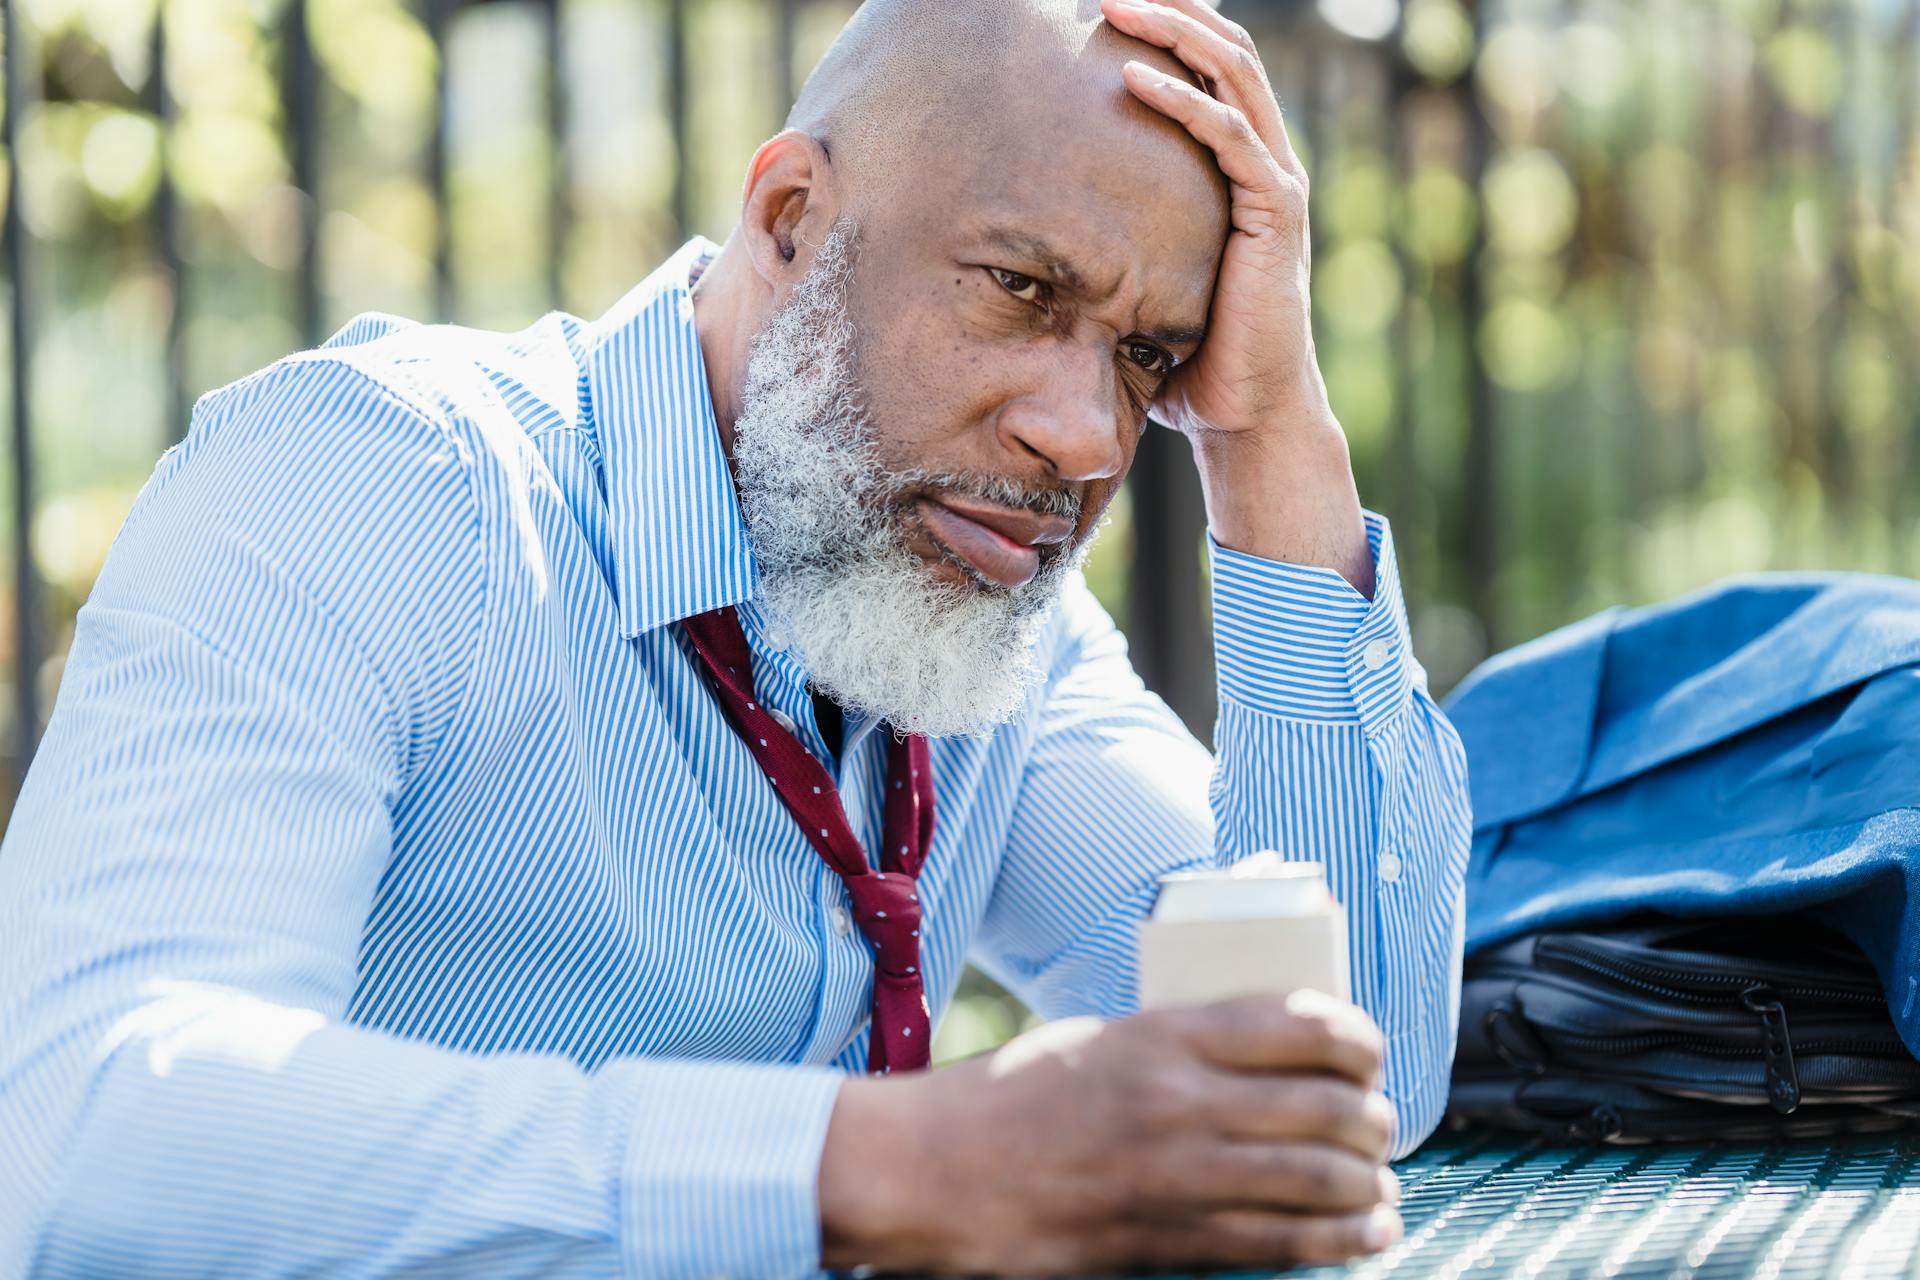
x=1255 y=888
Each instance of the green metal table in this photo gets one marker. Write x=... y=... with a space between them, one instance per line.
x=1487 y=1204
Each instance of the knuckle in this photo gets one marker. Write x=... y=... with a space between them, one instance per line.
x=1374 y=1045
x=1285 y=1174
x=1292 y=196
x=1317 y=1035
x=1244 y=64
x=1230 y=1019
x=1174 y=1101
x=1236 y=33
x=1315 y=1107
x=1344 y=1108
x=1325 y=1181
x=1378 y=1116
x=1192 y=1026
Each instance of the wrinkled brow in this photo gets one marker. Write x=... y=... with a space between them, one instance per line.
x=1044 y=254
x=1177 y=335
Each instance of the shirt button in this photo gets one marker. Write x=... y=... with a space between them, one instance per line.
x=782 y=719
x=842 y=922
x=1389 y=866
x=1374 y=656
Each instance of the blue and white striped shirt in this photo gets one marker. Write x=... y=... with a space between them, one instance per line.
x=390 y=892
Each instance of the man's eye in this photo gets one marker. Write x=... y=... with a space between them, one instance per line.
x=1148 y=357
x=1025 y=288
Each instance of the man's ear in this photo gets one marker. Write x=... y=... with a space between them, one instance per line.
x=788 y=205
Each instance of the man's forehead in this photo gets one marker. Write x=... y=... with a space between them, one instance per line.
x=1087 y=166
x=997 y=91
x=1092 y=221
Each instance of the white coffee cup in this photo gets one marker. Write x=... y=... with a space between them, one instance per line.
x=1265 y=925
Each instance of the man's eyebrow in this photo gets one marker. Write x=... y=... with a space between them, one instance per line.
x=1040 y=252
x=1179 y=335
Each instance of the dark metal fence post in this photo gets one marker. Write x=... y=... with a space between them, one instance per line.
x=677 y=114
x=438 y=12
x=26 y=581
x=784 y=40
x=1480 y=532
x=1168 y=621
x=300 y=103
x=1401 y=492
x=166 y=235
x=560 y=206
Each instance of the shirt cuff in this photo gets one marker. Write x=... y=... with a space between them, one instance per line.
x=1299 y=641
x=723 y=1171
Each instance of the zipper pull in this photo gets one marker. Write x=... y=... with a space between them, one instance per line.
x=1783 y=1083
x=1513 y=1039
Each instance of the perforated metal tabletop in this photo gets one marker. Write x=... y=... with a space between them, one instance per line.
x=1486 y=1204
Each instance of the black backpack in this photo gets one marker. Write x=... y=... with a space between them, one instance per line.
x=1655 y=1029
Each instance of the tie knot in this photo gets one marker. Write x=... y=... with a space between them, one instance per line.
x=887 y=907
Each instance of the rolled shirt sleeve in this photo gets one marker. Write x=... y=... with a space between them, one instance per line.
x=1329 y=749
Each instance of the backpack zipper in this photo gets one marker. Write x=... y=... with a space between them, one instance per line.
x=1776 y=1046
x=1783 y=1083
x=1647 y=977
x=1711 y=1048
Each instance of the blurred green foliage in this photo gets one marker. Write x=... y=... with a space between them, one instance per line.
x=1613 y=297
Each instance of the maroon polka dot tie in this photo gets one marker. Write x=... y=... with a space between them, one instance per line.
x=886 y=903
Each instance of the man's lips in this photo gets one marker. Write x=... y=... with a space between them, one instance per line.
x=999 y=542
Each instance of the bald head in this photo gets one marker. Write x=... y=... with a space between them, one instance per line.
x=912 y=83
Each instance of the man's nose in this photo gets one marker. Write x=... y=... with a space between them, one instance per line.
x=1068 y=416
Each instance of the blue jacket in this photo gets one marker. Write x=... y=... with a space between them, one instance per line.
x=1751 y=749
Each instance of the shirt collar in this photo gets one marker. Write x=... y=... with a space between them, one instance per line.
x=678 y=542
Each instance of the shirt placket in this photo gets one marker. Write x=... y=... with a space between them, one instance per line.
x=846 y=997
x=845 y=1000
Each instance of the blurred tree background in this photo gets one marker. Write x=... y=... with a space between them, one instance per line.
x=1613 y=297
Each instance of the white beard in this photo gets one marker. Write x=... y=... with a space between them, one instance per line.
x=839 y=585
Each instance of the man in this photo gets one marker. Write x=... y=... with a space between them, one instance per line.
x=518 y=803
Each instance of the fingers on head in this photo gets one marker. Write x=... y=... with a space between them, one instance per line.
x=1212 y=19
x=1219 y=126
x=1231 y=69
x=1241 y=68
x=1236 y=146
x=1222 y=52
x=1234 y=124
x=1201 y=44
